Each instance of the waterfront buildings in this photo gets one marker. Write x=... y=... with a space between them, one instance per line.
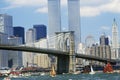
x=105 y=49
x=74 y=20
x=41 y=31
x=37 y=59
x=115 y=40
x=3 y=53
x=6 y=24
x=42 y=60
x=9 y=58
x=18 y=31
x=30 y=39
x=102 y=50
x=15 y=57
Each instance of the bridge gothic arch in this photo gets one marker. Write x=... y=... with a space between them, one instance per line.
x=65 y=42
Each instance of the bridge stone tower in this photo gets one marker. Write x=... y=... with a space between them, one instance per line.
x=65 y=42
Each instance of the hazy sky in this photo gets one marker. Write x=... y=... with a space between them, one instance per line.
x=96 y=15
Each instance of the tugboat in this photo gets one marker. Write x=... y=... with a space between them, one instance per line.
x=108 y=68
x=53 y=72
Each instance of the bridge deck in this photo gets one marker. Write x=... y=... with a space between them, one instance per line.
x=53 y=52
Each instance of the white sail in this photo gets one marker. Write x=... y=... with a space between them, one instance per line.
x=92 y=71
x=52 y=72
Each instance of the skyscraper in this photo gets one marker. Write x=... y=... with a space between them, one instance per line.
x=18 y=31
x=15 y=57
x=40 y=31
x=74 y=19
x=3 y=53
x=6 y=24
x=30 y=35
x=115 y=40
x=104 y=40
x=30 y=39
x=54 y=21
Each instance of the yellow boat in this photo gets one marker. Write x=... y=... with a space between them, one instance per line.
x=53 y=72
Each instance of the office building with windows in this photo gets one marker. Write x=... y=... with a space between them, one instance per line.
x=40 y=31
x=6 y=24
x=104 y=40
x=115 y=40
x=18 y=31
x=3 y=53
x=30 y=39
x=15 y=57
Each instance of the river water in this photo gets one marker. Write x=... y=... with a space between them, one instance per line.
x=97 y=76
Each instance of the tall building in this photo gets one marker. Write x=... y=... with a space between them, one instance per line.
x=40 y=31
x=115 y=36
x=6 y=24
x=30 y=35
x=18 y=31
x=30 y=39
x=54 y=17
x=42 y=60
x=104 y=40
x=115 y=40
x=3 y=53
x=74 y=19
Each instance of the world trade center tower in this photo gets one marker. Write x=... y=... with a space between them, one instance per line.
x=54 y=17
x=54 y=21
x=74 y=19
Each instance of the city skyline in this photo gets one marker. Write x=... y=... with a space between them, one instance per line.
x=96 y=16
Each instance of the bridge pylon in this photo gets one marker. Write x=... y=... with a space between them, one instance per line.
x=65 y=42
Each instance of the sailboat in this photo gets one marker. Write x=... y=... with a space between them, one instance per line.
x=52 y=72
x=92 y=71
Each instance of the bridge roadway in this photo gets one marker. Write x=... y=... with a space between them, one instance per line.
x=53 y=52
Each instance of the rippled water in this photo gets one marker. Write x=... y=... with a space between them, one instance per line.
x=97 y=76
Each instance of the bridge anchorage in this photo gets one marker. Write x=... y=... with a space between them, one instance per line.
x=65 y=42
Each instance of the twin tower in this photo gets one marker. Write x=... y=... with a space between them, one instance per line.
x=54 y=18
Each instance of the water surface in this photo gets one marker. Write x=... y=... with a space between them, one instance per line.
x=97 y=76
